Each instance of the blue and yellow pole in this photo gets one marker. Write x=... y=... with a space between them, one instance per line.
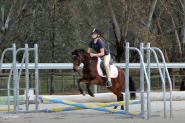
x=6 y=108
x=99 y=107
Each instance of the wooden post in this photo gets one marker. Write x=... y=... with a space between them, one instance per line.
x=53 y=46
x=62 y=84
x=52 y=86
x=48 y=83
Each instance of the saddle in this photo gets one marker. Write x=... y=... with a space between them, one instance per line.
x=101 y=69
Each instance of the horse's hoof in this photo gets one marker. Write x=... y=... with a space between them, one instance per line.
x=92 y=95
x=84 y=93
x=115 y=107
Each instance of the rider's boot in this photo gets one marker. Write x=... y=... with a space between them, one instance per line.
x=108 y=84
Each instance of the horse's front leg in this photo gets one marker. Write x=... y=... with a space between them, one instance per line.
x=79 y=87
x=93 y=82
x=88 y=89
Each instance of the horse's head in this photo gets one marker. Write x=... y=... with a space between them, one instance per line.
x=78 y=58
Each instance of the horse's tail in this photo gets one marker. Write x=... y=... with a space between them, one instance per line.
x=132 y=88
x=182 y=86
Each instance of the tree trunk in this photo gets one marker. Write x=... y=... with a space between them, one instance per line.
x=150 y=14
x=149 y=19
x=176 y=34
x=115 y=23
x=163 y=47
x=53 y=49
x=182 y=85
x=161 y=39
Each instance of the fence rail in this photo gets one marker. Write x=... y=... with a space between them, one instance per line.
x=70 y=65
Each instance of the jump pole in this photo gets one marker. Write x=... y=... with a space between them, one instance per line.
x=85 y=106
x=10 y=108
x=98 y=105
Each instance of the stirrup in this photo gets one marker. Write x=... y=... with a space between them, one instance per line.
x=108 y=84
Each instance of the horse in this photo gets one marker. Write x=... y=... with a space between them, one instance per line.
x=91 y=77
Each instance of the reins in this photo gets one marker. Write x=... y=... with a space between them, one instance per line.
x=79 y=73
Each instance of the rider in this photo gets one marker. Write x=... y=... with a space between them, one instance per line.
x=100 y=49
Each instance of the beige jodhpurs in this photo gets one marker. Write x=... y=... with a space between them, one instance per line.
x=106 y=59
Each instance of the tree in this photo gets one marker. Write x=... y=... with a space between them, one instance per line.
x=121 y=29
x=182 y=87
x=13 y=18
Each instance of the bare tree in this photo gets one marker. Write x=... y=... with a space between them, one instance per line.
x=10 y=25
x=182 y=87
x=121 y=28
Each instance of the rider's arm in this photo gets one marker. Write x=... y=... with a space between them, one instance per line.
x=89 y=50
x=100 y=54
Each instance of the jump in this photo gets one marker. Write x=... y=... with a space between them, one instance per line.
x=91 y=76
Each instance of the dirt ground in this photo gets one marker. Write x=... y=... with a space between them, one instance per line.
x=93 y=116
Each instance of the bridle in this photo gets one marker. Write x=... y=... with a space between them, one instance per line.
x=81 y=62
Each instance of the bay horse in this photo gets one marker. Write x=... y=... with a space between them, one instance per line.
x=91 y=77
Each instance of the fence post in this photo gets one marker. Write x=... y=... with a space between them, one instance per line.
x=36 y=76
x=48 y=83
x=173 y=82
x=52 y=86
x=62 y=83
x=15 y=79
x=127 y=79
x=142 y=84
x=27 y=76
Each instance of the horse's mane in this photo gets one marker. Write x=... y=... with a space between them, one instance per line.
x=76 y=52
x=81 y=51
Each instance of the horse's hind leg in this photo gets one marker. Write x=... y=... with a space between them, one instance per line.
x=121 y=99
x=113 y=90
x=119 y=95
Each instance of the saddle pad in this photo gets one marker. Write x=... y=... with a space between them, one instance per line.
x=113 y=70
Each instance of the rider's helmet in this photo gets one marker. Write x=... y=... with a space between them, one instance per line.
x=96 y=30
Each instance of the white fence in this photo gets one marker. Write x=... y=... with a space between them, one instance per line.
x=70 y=65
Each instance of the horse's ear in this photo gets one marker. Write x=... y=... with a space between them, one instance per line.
x=75 y=52
x=72 y=52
